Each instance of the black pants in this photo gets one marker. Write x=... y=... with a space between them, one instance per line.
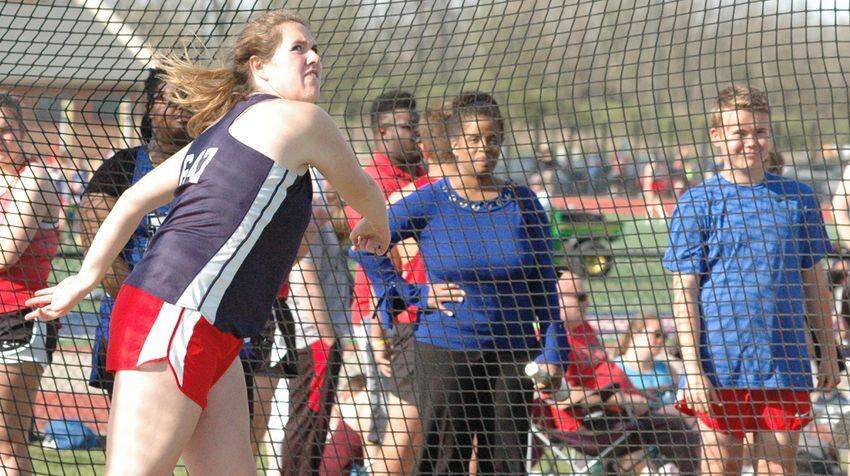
x=464 y=395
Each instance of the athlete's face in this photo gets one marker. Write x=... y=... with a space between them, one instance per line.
x=11 y=152
x=478 y=149
x=743 y=140
x=295 y=70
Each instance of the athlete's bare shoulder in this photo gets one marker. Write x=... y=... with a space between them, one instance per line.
x=283 y=130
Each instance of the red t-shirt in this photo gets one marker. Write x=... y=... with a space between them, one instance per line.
x=589 y=368
x=29 y=274
x=391 y=179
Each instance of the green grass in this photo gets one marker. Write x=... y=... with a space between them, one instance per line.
x=634 y=284
x=73 y=463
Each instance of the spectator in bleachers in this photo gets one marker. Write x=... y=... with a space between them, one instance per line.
x=657 y=187
x=621 y=173
x=594 y=378
x=748 y=286
x=642 y=355
x=545 y=181
x=487 y=253
x=163 y=132
x=29 y=240
x=396 y=163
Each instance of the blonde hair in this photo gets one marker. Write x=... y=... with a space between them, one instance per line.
x=434 y=135
x=210 y=92
x=735 y=98
x=637 y=325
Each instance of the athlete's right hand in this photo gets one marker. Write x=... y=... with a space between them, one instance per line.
x=369 y=237
x=699 y=393
x=52 y=303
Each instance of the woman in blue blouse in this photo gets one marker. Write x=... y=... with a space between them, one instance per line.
x=490 y=307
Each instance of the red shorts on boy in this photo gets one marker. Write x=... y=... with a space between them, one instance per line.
x=741 y=411
x=145 y=329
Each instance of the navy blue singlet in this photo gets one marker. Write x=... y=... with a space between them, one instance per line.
x=233 y=232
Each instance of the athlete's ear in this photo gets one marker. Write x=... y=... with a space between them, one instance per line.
x=257 y=67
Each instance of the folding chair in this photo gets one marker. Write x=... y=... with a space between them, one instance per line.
x=601 y=438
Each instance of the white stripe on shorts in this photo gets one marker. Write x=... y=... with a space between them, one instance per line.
x=156 y=343
x=180 y=343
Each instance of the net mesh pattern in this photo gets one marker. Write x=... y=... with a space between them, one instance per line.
x=564 y=196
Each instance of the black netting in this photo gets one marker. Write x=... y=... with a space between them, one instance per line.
x=638 y=194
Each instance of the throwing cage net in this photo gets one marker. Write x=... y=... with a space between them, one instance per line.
x=568 y=182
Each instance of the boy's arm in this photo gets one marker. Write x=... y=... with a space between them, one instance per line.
x=818 y=304
x=698 y=389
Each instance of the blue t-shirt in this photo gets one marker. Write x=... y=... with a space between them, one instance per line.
x=750 y=245
x=659 y=378
x=499 y=252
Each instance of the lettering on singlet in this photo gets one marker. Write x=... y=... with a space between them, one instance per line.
x=193 y=167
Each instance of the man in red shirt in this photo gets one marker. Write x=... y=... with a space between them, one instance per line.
x=396 y=163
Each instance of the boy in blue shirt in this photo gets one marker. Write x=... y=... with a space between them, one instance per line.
x=745 y=248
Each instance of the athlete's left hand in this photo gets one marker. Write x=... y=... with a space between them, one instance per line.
x=52 y=303
x=828 y=373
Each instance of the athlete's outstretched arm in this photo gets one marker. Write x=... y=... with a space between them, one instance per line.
x=153 y=191
x=333 y=157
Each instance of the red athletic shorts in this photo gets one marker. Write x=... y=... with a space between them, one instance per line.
x=145 y=329
x=741 y=411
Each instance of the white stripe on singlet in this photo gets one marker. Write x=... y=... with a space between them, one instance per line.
x=207 y=289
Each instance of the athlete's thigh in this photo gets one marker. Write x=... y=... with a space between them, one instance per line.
x=150 y=422
x=222 y=443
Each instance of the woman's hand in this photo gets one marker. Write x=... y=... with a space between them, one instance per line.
x=368 y=237
x=53 y=303
x=441 y=293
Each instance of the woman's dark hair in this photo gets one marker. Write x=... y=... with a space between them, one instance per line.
x=11 y=105
x=468 y=106
x=153 y=88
